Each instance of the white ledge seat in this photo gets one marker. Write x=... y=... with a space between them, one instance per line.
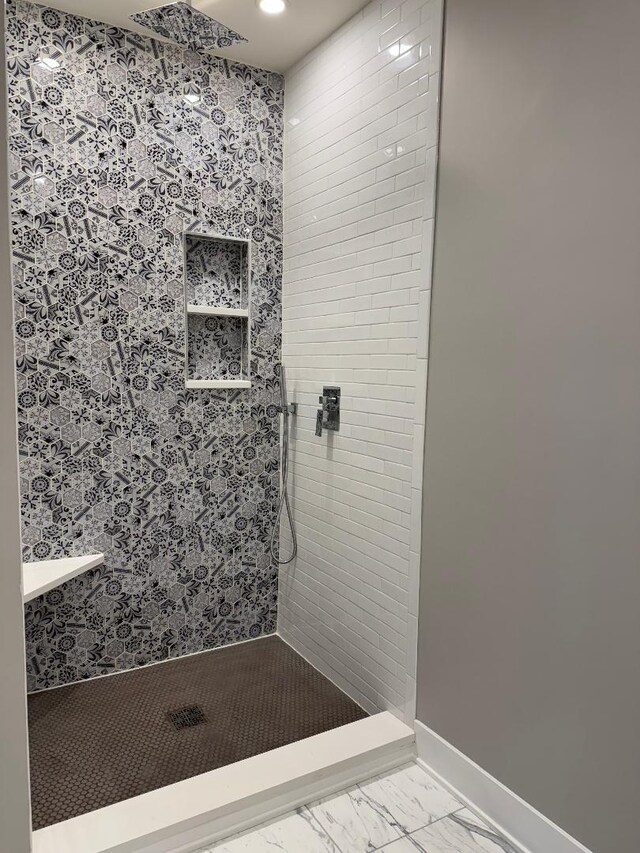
x=44 y=575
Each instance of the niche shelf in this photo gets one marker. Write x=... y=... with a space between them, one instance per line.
x=41 y=576
x=217 y=274
x=217 y=312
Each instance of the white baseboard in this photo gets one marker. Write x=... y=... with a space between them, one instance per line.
x=200 y=811
x=524 y=826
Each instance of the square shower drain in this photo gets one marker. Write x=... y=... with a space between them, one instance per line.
x=187 y=718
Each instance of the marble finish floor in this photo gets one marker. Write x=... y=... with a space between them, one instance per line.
x=404 y=811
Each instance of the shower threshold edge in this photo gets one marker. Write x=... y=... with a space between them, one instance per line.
x=199 y=811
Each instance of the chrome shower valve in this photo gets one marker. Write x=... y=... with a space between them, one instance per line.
x=328 y=417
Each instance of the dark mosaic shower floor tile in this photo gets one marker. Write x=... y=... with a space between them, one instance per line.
x=101 y=741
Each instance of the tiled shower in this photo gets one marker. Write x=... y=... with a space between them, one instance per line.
x=360 y=168
x=177 y=235
x=270 y=512
x=110 y=164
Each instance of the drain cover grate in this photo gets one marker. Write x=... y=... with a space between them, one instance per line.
x=186 y=718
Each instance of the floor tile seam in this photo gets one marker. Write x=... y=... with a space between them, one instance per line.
x=379 y=805
x=409 y=835
x=437 y=820
x=307 y=806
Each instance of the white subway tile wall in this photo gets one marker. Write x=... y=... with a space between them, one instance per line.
x=361 y=117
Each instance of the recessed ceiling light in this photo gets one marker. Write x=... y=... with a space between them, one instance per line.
x=272 y=7
x=49 y=62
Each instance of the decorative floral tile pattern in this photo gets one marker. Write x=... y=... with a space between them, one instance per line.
x=188 y=27
x=109 y=166
x=216 y=273
x=217 y=348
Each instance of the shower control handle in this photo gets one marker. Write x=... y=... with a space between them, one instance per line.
x=328 y=417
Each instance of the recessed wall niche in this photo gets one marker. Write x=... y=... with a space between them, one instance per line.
x=217 y=282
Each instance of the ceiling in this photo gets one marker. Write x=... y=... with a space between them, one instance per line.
x=276 y=42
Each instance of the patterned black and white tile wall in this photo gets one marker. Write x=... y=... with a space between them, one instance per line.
x=109 y=165
x=216 y=273
x=217 y=341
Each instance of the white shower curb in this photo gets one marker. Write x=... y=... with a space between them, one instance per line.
x=197 y=812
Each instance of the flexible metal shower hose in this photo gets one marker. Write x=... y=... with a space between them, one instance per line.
x=284 y=494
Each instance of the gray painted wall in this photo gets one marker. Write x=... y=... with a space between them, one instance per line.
x=530 y=635
x=15 y=817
